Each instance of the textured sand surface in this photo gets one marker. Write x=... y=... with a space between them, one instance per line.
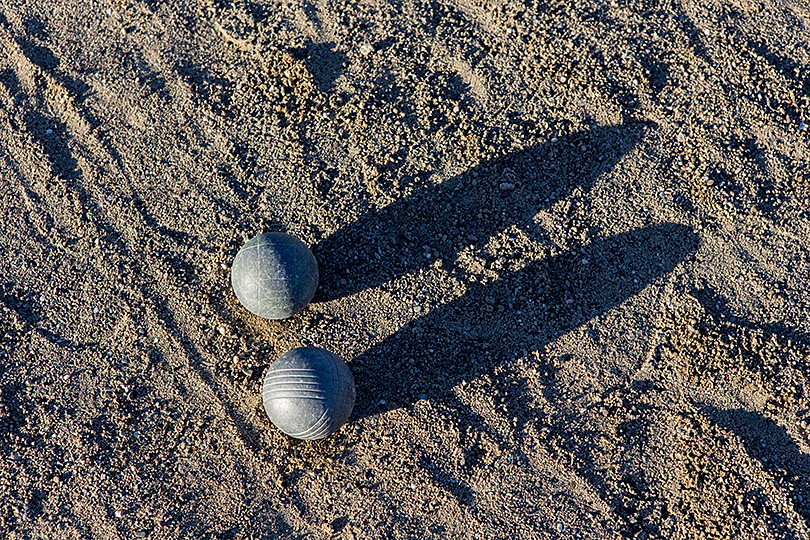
x=563 y=249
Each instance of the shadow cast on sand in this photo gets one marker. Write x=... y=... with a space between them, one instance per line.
x=461 y=340
x=467 y=337
x=772 y=446
x=467 y=210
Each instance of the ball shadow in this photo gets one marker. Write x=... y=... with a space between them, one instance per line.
x=465 y=211
x=468 y=337
x=522 y=310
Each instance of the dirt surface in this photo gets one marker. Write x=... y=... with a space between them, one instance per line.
x=563 y=249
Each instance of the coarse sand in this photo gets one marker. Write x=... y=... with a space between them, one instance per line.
x=564 y=250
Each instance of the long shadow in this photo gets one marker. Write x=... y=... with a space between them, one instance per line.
x=521 y=311
x=772 y=446
x=467 y=210
x=462 y=340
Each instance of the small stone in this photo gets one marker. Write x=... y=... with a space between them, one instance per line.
x=95 y=310
x=507 y=186
x=248 y=371
x=15 y=456
x=140 y=534
x=222 y=330
x=366 y=49
x=422 y=396
x=559 y=527
x=119 y=514
x=382 y=402
x=417 y=309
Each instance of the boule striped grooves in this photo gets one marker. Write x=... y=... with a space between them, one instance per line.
x=308 y=393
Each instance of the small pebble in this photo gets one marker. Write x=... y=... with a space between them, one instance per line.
x=119 y=514
x=95 y=310
x=247 y=371
x=15 y=456
x=140 y=534
x=507 y=186
x=559 y=527
x=366 y=49
x=221 y=329
x=48 y=131
x=422 y=396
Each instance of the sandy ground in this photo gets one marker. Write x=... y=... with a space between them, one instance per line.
x=563 y=249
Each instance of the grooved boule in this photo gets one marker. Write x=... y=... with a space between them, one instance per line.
x=308 y=393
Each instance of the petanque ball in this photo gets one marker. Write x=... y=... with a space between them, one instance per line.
x=274 y=275
x=308 y=393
